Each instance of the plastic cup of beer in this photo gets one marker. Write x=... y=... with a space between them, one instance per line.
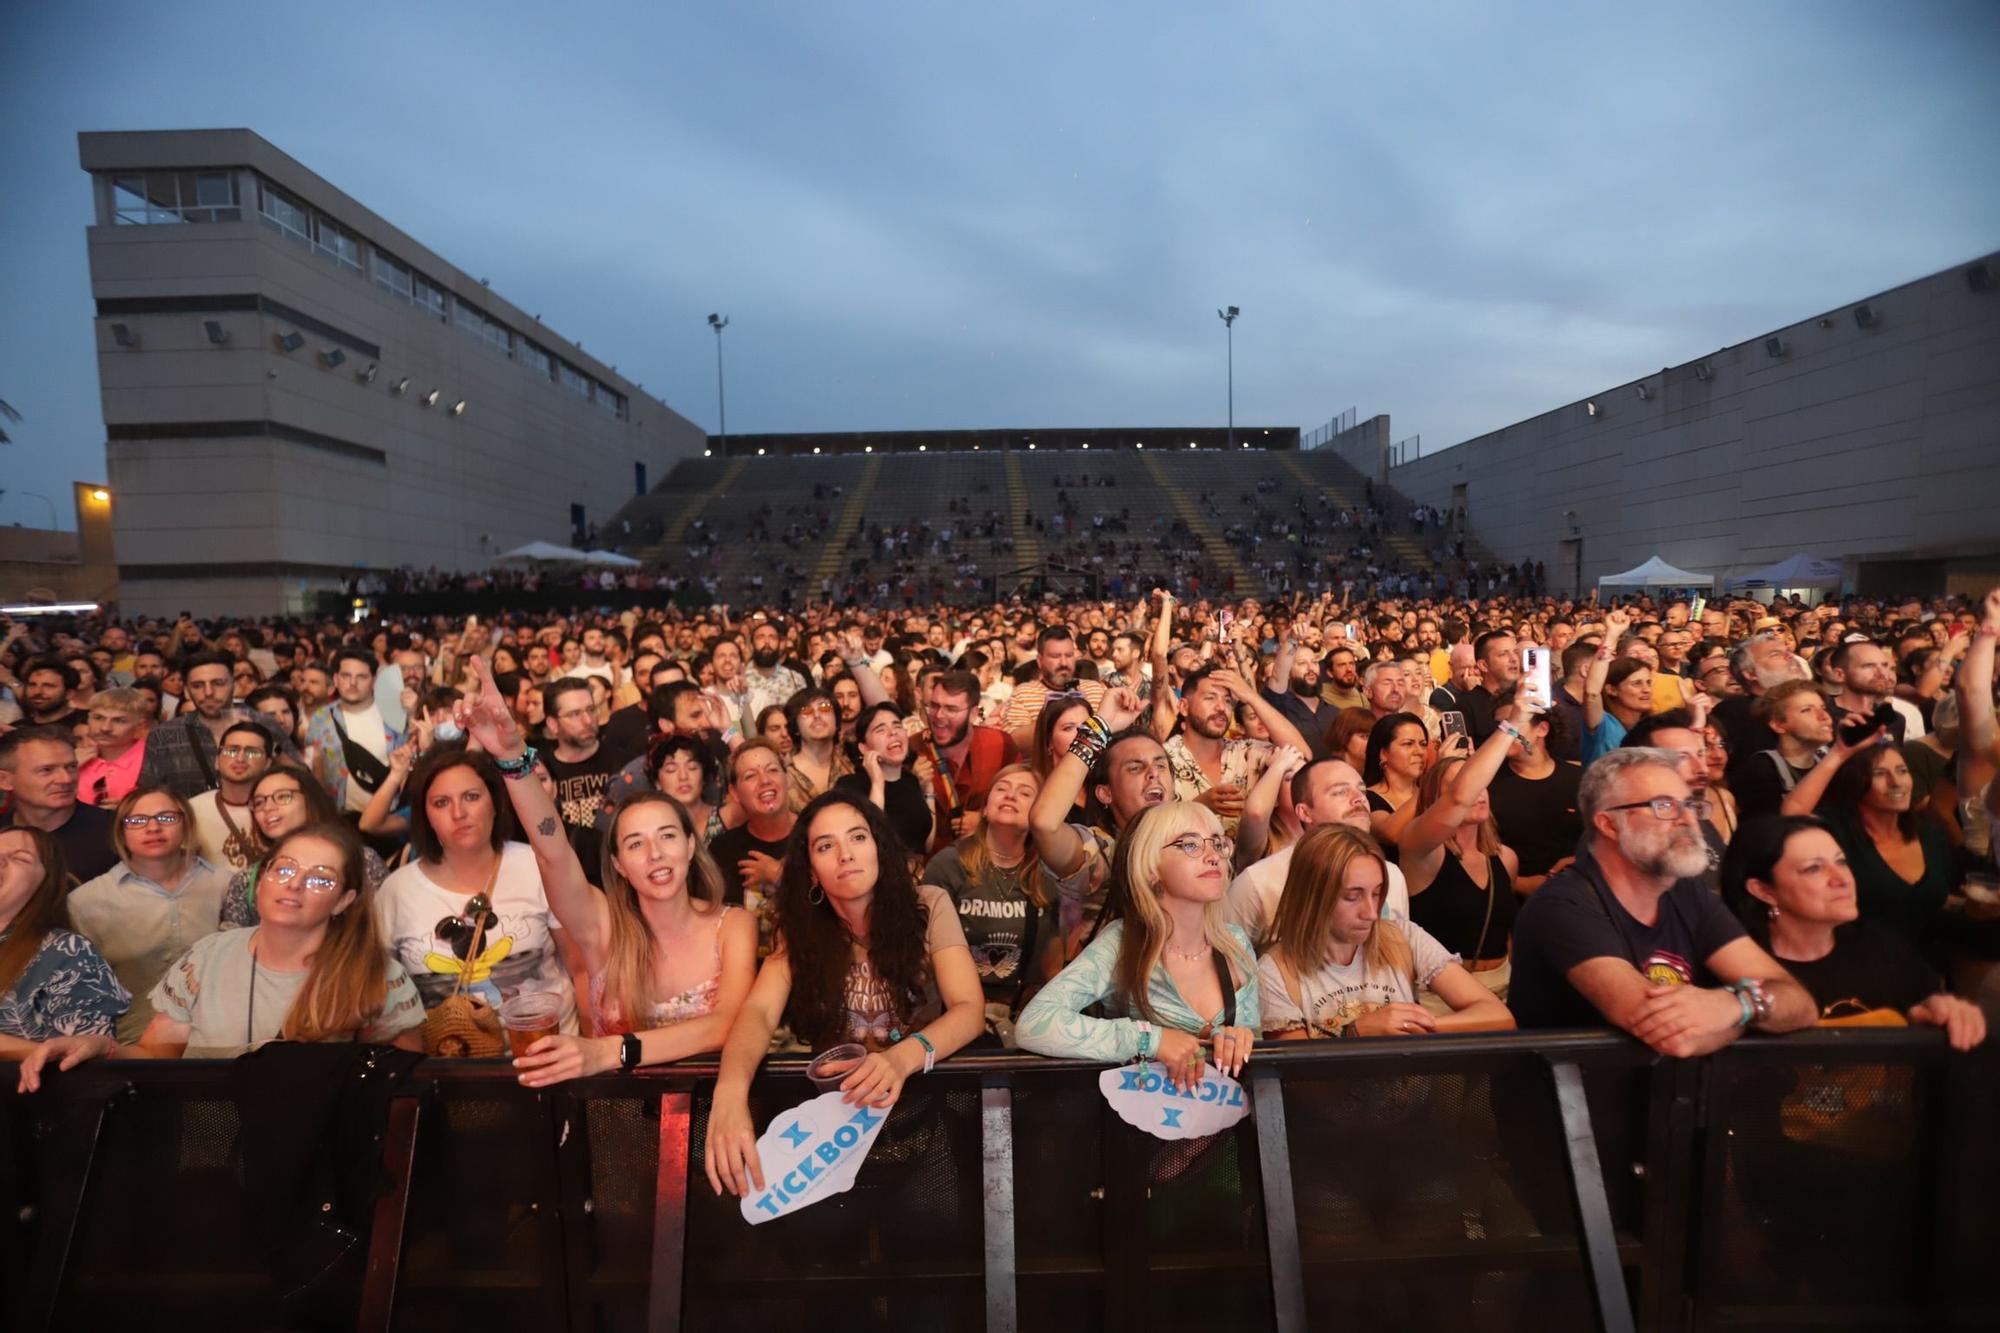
x=528 y=1017
x=830 y=1066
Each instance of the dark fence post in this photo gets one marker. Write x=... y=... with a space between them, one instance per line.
x=1593 y=1207
x=996 y=1154
x=392 y=1210
x=663 y=1300
x=1281 y=1219
x=64 y=1209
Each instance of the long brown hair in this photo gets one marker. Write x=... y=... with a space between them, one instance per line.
x=974 y=856
x=348 y=983
x=628 y=963
x=44 y=912
x=1134 y=901
x=1430 y=790
x=1318 y=875
x=1045 y=727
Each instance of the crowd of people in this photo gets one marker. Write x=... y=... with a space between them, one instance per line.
x=1107 y=830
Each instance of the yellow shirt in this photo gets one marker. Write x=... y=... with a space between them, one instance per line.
x=1670 y=691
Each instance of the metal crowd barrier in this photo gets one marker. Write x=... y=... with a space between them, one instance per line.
x=1553 y=1181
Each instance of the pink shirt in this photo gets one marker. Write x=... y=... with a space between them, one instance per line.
x=119 y=775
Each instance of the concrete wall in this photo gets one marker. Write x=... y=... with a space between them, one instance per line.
x=45 y=564
x=1880 y=445
x=357 y=475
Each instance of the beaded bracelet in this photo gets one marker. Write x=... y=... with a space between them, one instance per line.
x=517 y=768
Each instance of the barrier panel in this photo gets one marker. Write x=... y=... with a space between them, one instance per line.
x=1545 y=1181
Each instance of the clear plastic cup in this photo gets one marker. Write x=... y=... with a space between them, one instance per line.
x=528 y=1017
x=832 y=1065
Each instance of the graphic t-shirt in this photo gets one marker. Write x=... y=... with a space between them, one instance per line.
x=580 y=799
x=870 y=1005
x=1004 y=929
x=430 y=936
x=231 y=1007
x=1575 y=917
x=1333 y=997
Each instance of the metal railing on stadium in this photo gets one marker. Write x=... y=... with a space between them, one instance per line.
x=1544 y=1181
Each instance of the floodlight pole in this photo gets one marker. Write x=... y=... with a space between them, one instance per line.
x=719 y=323
x=1228 y=318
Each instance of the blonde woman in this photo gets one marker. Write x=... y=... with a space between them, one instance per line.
x=1461 y=876
x=1183 y=980
x=669 y=964
x=1334 y=968
x=313 y=969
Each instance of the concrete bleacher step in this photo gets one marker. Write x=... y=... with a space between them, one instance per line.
x=1220 y=553
x=833 y=553
x=692 y=510
x=1027 y=546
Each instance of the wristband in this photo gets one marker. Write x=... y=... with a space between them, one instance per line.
x=930 y=1051
x=1749 y=1010
x=1760 y=999
x=517 y=768
x=629 y=1052
x=1145 y=1040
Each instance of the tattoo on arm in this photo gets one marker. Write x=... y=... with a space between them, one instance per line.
x=547 y=828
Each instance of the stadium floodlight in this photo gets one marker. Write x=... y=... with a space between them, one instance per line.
x=815 y=448
x=922 y=447
x=706 y=453
x=760 y=451
x=1228 y=317
x=367 y=374
x=719 y=323
x=122 y=335
x=867 y=448
x=1086 y=444
x=1644 y=392
x=458 y=408
x=430 y=399
x=1590 y=407
x=293 y=341
x=216 y=333
x=1702 y=372
x=1865 y=317
x=333 y=356
x=1774 y=347
x=401 y=386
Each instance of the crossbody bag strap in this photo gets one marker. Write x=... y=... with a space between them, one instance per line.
x=1492 y=886
x=1228 y=988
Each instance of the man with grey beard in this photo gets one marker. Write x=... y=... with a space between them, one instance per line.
x=1629 y=935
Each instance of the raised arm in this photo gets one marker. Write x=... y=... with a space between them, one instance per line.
x=1048 y=820
x=1430 y=830
x=1281 y=729
x=578 y=906
x=1979 y=738
x=1253 y=826
x=1804 y=798
x=1616 y=620
x=855 y=653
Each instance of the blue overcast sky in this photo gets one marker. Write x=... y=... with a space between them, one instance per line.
x=933 y=216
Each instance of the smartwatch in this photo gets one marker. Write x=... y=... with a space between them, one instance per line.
x=629 y=1053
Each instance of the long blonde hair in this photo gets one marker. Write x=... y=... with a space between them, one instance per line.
x=348 y=983
x=1135 y=902
x=974 y=856
x=1304 y=926
x=1430 y=790
x=628 y=962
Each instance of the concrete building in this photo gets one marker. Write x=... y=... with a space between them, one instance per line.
x=1869 y=433
x=295 y=390
x=40 y=566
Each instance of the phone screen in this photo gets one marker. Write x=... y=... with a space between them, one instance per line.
x=1535 y=675
x=1700 y=605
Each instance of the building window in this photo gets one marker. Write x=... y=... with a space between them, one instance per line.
x=483 y=327
x=535 y=359
x=174 y=197
x=284 y=213
x=336 y=243
x=428 y=295
x=393 y=277
x=575 y=380
x=609 y=401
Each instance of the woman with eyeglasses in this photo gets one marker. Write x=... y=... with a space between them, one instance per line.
x=152 y=906
x=1180 y=981
x=285 y=799
x=313 y=970
x=53 y=983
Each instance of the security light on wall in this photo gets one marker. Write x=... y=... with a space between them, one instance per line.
x=216 y=333
x=1590 y=407
x=1702 y=372
x=292 y=342
x=122 y=335
x=430 y=399
x=333 y=356
x=1865 y=317
x=458 y=408
x=1774 y=348
x=1979 y=278
x=1644 y=392
x=367 y=374
x=400 y=386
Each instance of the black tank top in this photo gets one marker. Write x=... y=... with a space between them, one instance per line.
x=1453 y=908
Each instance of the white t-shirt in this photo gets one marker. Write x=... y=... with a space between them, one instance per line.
x=209 y=988
x=1253 y=895
x=1334 y=996
x=214 y=833
x=517 y=954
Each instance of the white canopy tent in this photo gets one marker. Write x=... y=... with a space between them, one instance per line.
x=1794 y=571
x=542 y=553
x=1656 y=573
x=610 y=560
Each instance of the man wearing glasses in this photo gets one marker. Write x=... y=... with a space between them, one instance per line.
x=222 y=822
x=119 y=721
x=1630 y=936
x=181 y=753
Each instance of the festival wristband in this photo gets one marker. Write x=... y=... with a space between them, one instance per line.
x=1743 y=1021
x=930 y=1051
x=1145 y=1040
x=516 y=768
